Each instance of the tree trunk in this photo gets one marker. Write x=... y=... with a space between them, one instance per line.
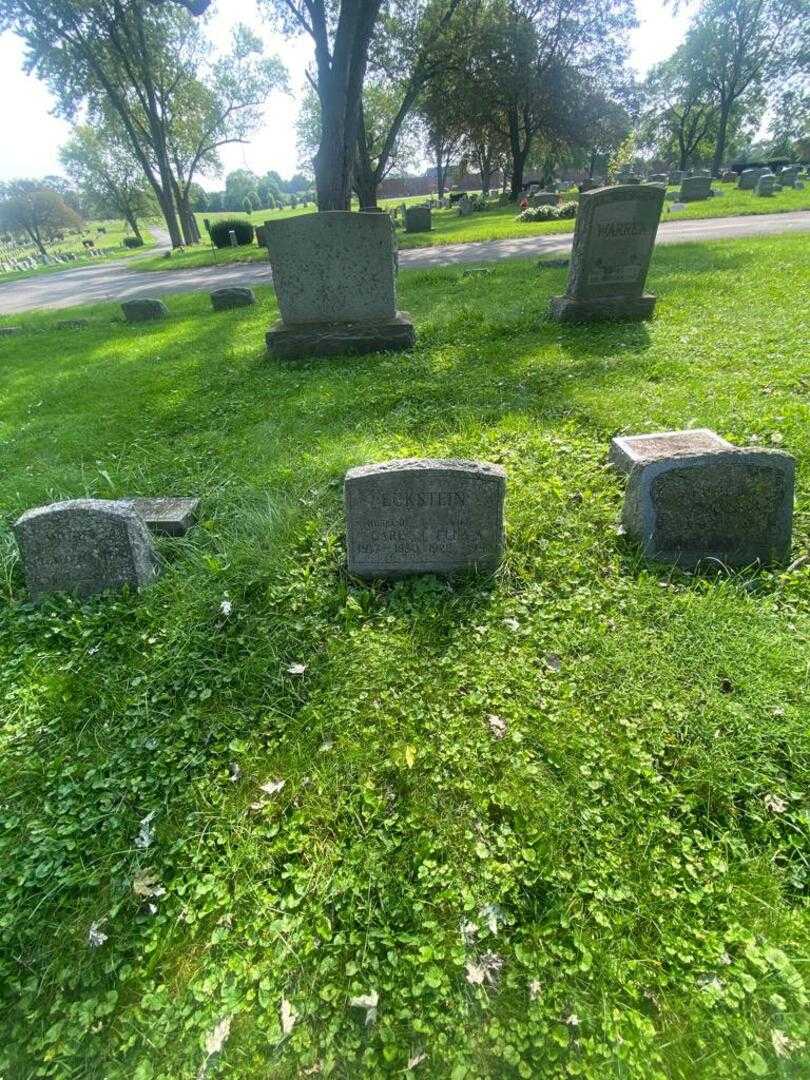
x=722 y=135
x=340 y=90
x=519 y=153
x=592 y=166
x=34 y=234
x=365 y=175
x=132 y=221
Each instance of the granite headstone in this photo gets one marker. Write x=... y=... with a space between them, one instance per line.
x=627 y=451
x=144 y=310
x=613 y=244
x=334 y=276
x=695 y=189
x=424 y=516
x=730 y=506
x=417 y=219
x=84 y=546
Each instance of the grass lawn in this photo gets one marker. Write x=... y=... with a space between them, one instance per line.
x=113 y=239
x=629 y=862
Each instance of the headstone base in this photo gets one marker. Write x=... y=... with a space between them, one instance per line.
x=566 y=309
x=293 y=341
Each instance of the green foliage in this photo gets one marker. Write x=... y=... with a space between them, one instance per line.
x=133 y=242
x=634 y=849
x=549 y=213
x=220 y=232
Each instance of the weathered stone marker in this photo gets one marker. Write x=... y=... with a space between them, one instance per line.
x=626 y=451
x=424 y=516
x=543 y=198
x=766 y=184
x=334 y=275
x=733 y=507
x=613 y=244
x=748 y=178
x=166 y=516
x=465 y=207
x=417 y=219
x=234 y=296
x=84 y=546
x=136 y=311
x=695 y=189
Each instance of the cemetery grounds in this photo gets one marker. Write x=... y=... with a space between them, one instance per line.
x=616 y=887
x=497 y=223
x=110 y=243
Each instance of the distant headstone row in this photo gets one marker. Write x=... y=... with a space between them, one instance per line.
x=690 y=498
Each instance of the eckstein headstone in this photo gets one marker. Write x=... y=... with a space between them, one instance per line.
x=334 y=275
x=424 y=516
x=417 y=219
x=613 y=244
x=730 y=506
x=84 y=546
x=695 y=189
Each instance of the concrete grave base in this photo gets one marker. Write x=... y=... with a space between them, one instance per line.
x=292 y=341
x=567 y=310
x=166 y=516
x=629 y=450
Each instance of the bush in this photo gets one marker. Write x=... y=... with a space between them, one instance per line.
x=549 y=213
x=133 y=242
x=220 y=229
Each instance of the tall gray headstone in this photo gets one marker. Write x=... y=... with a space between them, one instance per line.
x=84 y=546
x=733 y=507
x=424 y=516
x=334 y=276
x=695 y=189
x=766 y=184
x=613 y=244
x=417 y=219
x=748 y=178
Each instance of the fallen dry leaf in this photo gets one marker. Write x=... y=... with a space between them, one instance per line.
x=272 y=787
x=368 y=1002
x=775 y=804
x=417 y=1059
x=496 y=725
x=288 y=1016
x=296 y=669
x=145 y=884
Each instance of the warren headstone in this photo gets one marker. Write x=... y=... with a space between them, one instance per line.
x=733 y=507
x=84 y=546
x=424 y=516
x=613 y=244
x=695 y=189
x=766 y=184
x=334 y=276
x=748 y=178
x=417 y=219
x=627 y=451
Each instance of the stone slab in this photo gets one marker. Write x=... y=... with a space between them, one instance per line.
x=424 y=516
x=565 y=309
x=613 y=244
x=731 y=507
x=287 y=341
x=84 y=546
x=695 y=189
x=9 y=331
x=144 y=310
x=417 y=219
x=234 y=296
x=334 y=266
x=72 y=324
x=166 y=516
x=626 y=451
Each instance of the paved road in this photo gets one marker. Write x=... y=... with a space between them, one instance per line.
x=116 y=281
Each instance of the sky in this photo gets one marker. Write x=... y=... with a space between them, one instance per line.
x=30 y=135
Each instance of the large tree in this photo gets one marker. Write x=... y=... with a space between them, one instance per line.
x=107 y=174
x=29 y=208
x=680 y=110
x=341 y=31
x=739 y=43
